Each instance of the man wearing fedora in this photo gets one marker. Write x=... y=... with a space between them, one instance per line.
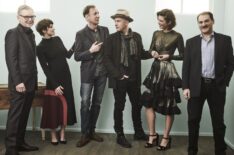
x=123 y=54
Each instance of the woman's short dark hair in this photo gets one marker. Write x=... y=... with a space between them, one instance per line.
x=87 y=8
x=43 y=25
x=169 y=16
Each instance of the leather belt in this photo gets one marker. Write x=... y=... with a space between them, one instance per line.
x=207 y=80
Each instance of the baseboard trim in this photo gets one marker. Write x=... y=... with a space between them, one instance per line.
x=229 y=143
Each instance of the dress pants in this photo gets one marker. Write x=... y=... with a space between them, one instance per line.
x=133 y=90
x=18 y=114
x=216 y=102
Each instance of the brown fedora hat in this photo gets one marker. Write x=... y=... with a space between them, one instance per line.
x=121 y=13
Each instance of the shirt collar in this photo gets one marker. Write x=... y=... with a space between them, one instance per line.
x=26 y=29
x=98 y=29
x=212 y=35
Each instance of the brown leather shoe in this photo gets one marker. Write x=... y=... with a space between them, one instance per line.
x=96 y=137
x=83 y=141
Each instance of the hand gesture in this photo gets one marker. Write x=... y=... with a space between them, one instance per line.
x=95 y=47
x=124 y=77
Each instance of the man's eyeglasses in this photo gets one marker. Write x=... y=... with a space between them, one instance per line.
x=28 y=17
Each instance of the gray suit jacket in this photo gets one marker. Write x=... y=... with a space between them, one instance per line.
x=20 y=56
x=83 y=42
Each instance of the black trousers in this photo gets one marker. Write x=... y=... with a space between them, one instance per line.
x=18 y=114
x=123 y=88
x=216 y=102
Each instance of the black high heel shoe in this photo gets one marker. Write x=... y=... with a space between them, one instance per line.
x=54 y=143
x=168 y=146
x=154 y=142
x=62 y=141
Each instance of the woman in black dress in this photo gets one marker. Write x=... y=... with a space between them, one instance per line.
x=59 y=108
x=163 y=80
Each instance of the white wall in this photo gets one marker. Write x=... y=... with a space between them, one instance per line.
x=68 y=20
x=229 y=109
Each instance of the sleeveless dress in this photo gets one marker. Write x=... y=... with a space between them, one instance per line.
x=163 y=81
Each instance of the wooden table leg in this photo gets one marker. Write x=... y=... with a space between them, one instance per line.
x=43 y=134
x=34 y=122
x=33 y=118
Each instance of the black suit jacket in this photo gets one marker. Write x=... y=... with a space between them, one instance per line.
x=20 y=54
x=83 y=42
x=192 y=64
x=112 y=57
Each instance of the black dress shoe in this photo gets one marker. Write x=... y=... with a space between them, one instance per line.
x=11 y=152
x=141 y=136
x=83 y=141
x=192 y=153
x=27 y=148
x=96 y=137
x=62 y=141
x=121 y=140
x=54 y=143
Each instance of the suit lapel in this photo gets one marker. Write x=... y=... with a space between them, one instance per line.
x=33 y=46
x=216 y=39
x=198 y=43
x=102 y=34
x=26 y=39
x=118 y=46
x=89 y=35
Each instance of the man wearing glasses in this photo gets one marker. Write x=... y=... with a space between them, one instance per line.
x=22 y=79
